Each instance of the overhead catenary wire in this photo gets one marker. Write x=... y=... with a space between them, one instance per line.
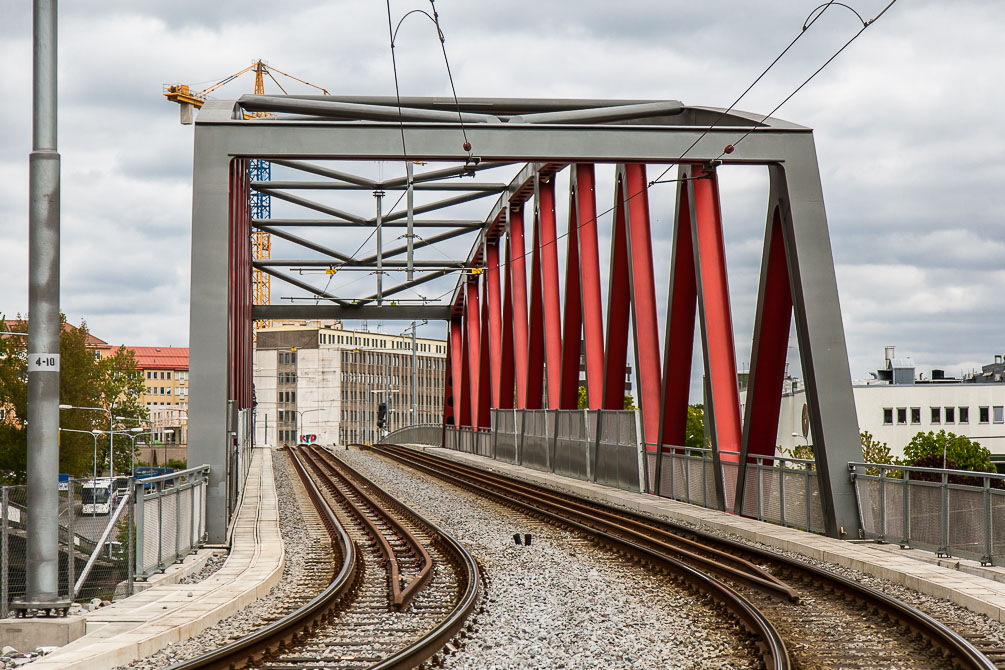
x=815 y=16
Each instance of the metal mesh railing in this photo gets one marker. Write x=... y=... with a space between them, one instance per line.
x=430 y=433
x=780 y=490
x=170 y=518
x=952 y=512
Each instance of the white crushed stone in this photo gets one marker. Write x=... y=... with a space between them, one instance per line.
x=561 y=602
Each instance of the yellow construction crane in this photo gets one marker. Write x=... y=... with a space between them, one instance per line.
x=258 y=170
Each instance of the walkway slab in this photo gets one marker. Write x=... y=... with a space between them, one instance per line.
x=152 y=619
x=958 y=580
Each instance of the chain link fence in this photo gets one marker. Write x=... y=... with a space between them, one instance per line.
x=110 y=532
x=951 y=512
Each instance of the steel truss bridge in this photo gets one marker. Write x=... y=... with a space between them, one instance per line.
x=514 y=339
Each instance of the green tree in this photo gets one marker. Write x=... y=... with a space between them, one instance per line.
x=961 y=450
x=874 y=451
x=84 y=382
x=695 y=430
x=583 y=402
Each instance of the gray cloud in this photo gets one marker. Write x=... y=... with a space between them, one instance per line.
x=905 y=122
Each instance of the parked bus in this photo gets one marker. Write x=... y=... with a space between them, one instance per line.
x=98 y=496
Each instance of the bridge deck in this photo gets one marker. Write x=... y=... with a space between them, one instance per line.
x=964 y=582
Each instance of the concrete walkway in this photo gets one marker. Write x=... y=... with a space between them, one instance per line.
x=958 y=580
x=152 y=619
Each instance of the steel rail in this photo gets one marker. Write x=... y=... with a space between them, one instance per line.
x=721 y=562
x=962 y=652
x=433 y=641
x=289 y=627
x=401 y=596
x=772 y=647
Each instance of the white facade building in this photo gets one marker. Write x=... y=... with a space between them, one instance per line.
x=895 y=412
x=324 y=383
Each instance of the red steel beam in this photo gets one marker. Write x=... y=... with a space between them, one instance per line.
x=472 y=340
x=589 y=263
x=678 y=344
x=618 y=305
x=549 y=283
x=493 y=321
x=484 y=400
x=643 y=289
x=535 y=331
x=573 y=326
x=518 y=281
x=767 y=362
x=507 y=365
x=720 y=356
x=462 y=411
x=449 y=418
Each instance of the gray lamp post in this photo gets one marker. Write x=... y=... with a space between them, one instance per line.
x=111 y=429
x=94 y=463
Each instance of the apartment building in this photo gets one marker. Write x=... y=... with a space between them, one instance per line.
x=165 y=378
x=324 y=383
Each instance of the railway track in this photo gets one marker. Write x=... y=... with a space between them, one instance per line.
x=400 y=590
x=802 y=616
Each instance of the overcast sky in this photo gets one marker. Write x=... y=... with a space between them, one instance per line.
x=908 y=138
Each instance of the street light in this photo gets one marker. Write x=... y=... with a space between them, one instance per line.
x=166 y=431
x=301 y=413
x=94 y=464
x=111 y=428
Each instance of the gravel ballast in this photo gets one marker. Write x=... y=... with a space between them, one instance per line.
x=561 y=602
x=298 y=543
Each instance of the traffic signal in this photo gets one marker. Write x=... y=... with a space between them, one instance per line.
x=381 y=414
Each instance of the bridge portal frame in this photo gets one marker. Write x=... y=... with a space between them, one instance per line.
x=797 y=253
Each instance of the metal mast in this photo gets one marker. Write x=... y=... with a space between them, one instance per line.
x=43 y=321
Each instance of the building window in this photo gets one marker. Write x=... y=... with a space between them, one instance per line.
x=999 y=414
x=964 y=414
x=936 y=415
x=901 y=415
x=169 y=374
x=983 y=415
x=950 y=414
x=915 y=415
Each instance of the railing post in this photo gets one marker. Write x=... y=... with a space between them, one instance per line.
x=71 y=545
x=906 y=523
x=131 y=541
x=177 y=520
x=781 y=491
x=596 y=443
x=704 y=479
x=882 y=506
x=495 y=432
x=760 y=484
x=986 y=558
x=523 y=428
x=687 y=476
x=4 y=543
x=554 y=442
x=642 y=452
x=160 y=524
x=809 y=499
x=943 y=549
x=192 y=527
x=139 y=521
